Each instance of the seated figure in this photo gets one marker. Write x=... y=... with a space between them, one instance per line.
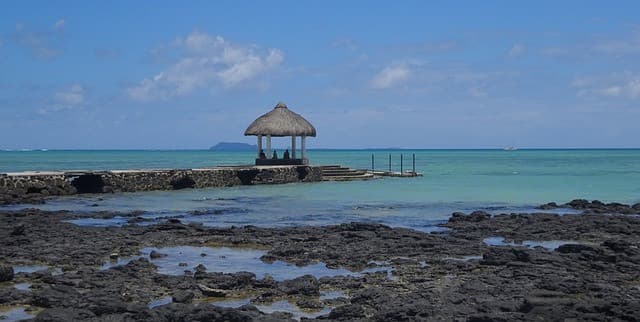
x=262 y=155
x=286 y=155
x=275 y=155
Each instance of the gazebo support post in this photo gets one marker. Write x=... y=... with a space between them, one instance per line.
x=268 y=146
x=259 y=145
x=293 y=147
x=302 y=146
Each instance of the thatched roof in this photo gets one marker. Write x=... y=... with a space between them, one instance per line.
x=281 y=122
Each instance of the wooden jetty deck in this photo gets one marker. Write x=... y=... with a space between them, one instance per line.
x=340 y=173
x=405 y=174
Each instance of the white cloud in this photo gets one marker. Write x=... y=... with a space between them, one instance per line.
x=66 y=99
x=625 y=85
x=206 y=61
x=516 y=50
x=629 y=89
x=390 y=76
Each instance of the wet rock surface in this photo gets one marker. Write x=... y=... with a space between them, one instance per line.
x=595 y=206
x=594 y=277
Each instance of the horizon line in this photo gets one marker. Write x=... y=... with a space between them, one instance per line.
x=325 y=149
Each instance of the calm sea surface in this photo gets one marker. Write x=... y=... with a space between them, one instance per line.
x=454 y=180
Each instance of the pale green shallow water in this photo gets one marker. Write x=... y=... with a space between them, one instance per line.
x=493 y=180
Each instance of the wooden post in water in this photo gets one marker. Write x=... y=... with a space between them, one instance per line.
x=414 y=163
x=400 y=163
x=389 y=162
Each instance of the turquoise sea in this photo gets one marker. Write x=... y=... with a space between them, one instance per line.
x=454 y=180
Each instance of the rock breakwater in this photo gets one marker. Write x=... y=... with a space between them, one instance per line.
x=34 y=187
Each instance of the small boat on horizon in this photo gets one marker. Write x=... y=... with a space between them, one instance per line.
x=510 y=148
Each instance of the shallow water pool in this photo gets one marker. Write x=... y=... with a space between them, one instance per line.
x=232 y=260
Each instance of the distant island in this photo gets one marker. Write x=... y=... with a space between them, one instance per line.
x=233 y=146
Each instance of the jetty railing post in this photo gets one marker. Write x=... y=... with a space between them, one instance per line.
x=372 y=163
x=400 y=163
x=414 y=163
x=389 y=162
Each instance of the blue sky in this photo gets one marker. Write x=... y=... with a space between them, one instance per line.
x=414 y=74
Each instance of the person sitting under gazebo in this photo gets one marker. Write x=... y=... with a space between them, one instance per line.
x=281 y=122
x=286 y=155
x=262 y=155
x=275 y=155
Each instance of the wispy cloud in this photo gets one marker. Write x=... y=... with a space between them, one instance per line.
x=106 y=53
x=477 y=92
x=622 y=85
x=65 y=99
x=629 y=89
x=621 y=46
x=390 y=76
x=206 y=61
x=59 y=24
x=43 y=44
x=442 y=46
x=516 y=50
x=347 y=43
x=73 y=95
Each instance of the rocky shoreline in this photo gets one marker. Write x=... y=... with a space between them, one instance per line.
x=591 y=273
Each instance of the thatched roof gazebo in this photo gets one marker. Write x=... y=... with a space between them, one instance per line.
x=281 y=122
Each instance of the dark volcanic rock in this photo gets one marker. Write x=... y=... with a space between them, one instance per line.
x=348 y=312
x=593 y=278
x=6 y=273
x=64 y=315
x=304 y=285
x=226 y=281
x=184 y=312
x=475 y=216
x=548 y=206
x=498 y=256
x=18 y=230
x=597 y=206
x=155 y=255
x=183 y=296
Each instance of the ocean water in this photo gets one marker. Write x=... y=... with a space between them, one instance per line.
x=454 y=180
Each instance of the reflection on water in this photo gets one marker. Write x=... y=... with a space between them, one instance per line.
x=332 y=295
x=36 y=268
x=465 y=258
x=233 y=260
x=14 y=314
x=160 y=301
x=282 y=306
x=286 y=306
x=547 y=244
x=22 y=286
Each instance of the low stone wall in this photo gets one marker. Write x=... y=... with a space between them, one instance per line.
x=34 y=187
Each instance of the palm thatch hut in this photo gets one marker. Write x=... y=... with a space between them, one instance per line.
x=281 y=122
